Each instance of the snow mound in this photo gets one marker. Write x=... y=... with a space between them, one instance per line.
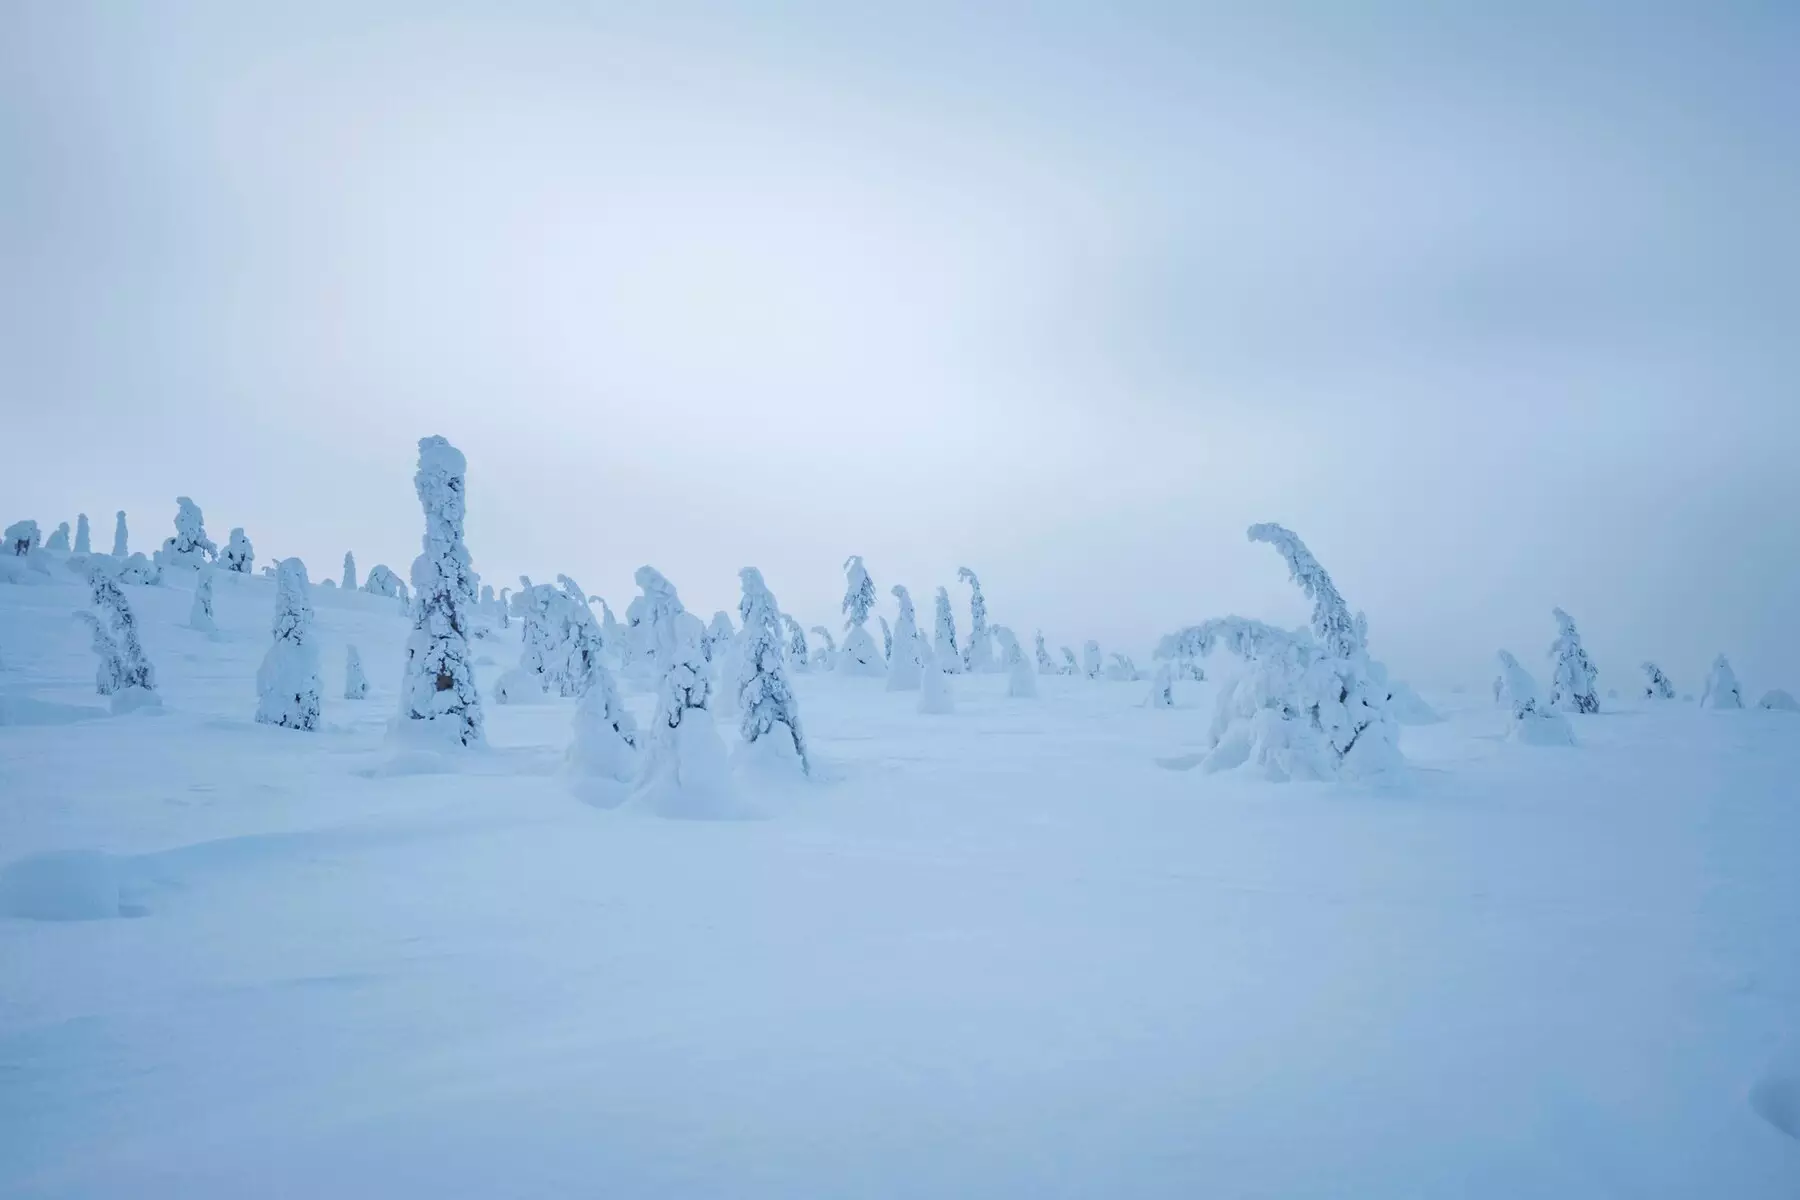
x=23 y=710
x=62 y=885
x=1779 y=700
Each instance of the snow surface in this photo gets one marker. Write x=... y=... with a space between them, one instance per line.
x=1015 y=950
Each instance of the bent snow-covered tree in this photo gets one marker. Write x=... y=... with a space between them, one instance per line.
x=287 y=683
x=1531 y=720
x=1021 y=680
x=59 y=539
x=1091 y=662
x=764 y=696
x=438 y=696
x=190 y=546
x=945 y=653
x=685 y=772
x=1656 y=684
x=799 y=657
x=238 y=554
x=1071 y=666
x=859 y=655
x=1045 y=664
x=825 y=656
x=1722 y=689
x=1571 y=675
x=125 y=673
x=979 y=654
x=906 y=664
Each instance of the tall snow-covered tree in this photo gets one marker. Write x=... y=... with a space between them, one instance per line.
x=349 y=571
x=578 y=635
x=1722 y=689
x=1531 y=719
x=945 y=652
x=59 y=539
x=132 y=679
x=21 y=538
x=1021 y=680
x=190 y=546
x=83 y=535
x=1091 y=663
x=1572 y=675
x=200 y=616
x=685 y=772
x=764 y=695
x=825 y=657
x=1045 y=664
x=906 y=664
x=287 y=683
x=859 y=655
x=799 y=657
x=356 y=682
x=238 y=554
x=979 y=654
x=121 y=538
x=1656 y=684
x=438 y=696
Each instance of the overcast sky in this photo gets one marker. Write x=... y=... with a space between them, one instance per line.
x=1498 y=310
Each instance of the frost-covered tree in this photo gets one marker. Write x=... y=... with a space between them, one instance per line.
x=1656 y=684
x=108 y=678
x=1021 y=680
x=859 y=655
x=83 y=535
x=21 y=538
x=718 y=636
x=503 y=608
x=612 y=634
x=1045 y=664
x=906 y=664
x=887 y=640
x=935 y=696
x=1070 y=665
x=979 y=654
x=1572 y=675
x=138 y=569
x=356 y=683
x=121 y=537
x=488 y=600
x=945 y=653
x=190 y=546
x=764 y=695
x=1779 y=700
x=650 y=611
x=1162 y=686
x=125 y=673
x=799 y=657
x=200 y=616
x=1122 y=669
x=349 y=571
x=287 y=683
x=603 y=753
x=239 y=555
x=578 y=637
x=438 y=696
x=380 y=582
x=59 y=539
x=1531 y=719
x=825 y=657
x=1091 y=663
x=685 y=773
x=1722 y=689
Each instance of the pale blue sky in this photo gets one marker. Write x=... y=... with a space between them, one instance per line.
x=1495 y=306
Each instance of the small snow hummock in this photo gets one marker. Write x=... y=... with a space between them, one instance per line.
x=1656 y=684
x=1779 y=700
x=1021 y=679
x=21 y=538
x=859 y=655
x=83 y=535
x=238 y=555
x=602 y=759
x=1045 y=664
x=356 y=683
x=1531 y=720
x=59 y=540
x=948 y=657
x=1091 y=663
x=685 y=771
x=906 y=663
x=200 y=616
x=763 y=694
x=287 y=683
x=190 y=546
x=349 y=571
x=935 y=696
x=121 y=537
x=438 y=700
x=1572 y=675
x=124 y=673
x=1722 y=689
x=798 y=656
x=978 y=655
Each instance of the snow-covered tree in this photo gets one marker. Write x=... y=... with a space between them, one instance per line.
x=438 y=696
x=859 y=655
x=59 y=540
x=799 y=657
x=612 y=634
x=349 y=571
x=685 y=772
x=718 y=636
x=200 y=616
x=1070 y=665
x=121 y=538
x=1722 y=689
x=1122 y=669
x=488 y=600
x=190 y=546
x=1162 y=686
x=578 y=637
x=287 y=683
x=138 y=569
x=356 y=683
x=239 y=555
x=603 y=753
x=935 y=695
x=108 y=678
x=887 y=640
x=651 y=609
x=825 y=657
x=21 y=538
x=1572 y=675
x=1531 y=719
x=125 y=674
x=979 y=654
x=1021 y=680
x=764 y=695
x=1779 y=700
x=945 y=652
x=503 y=609
x=1656 y=684
x=1045 y=664
x=380 y=582
x=1091 y=663
x=906 y=664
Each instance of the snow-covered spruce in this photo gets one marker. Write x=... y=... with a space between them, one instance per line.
x=574 y=636
x=1045 y=664
x=945 y=652
x=200 y=616
x=287 y=683
x=1779 y=700
x=349 y=571
x=1656 y=684
x=906 y=664
x=21 y=538
x=109 y=675
x=137 y=569
x=1571 y=674
x=503 y=609
x=978 y=655
x=121 y=537
x=602 y=759
x=382 y=581
x=935 y=696
x=798 y=656
x=1162 y=686
x=825 y=656
x=238 y=555
x=859 y=655
x=437 y=690
x=887 y=640
x=763 y=694
x=1122 y=669
x=1091 y=663
x=1071 y=666
x=1722 y=689
x=612 y=634
x=718 y=636
x=190 y=546
x=651 y=610
x=1021 y=679
x=356 y=683
x=1531 y=720
x=685 y=772
x=83 y=535
x=58 y=542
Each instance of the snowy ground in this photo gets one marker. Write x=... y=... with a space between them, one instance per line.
x=1002 y=952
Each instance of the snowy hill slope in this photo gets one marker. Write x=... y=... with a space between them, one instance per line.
x=1000 y=952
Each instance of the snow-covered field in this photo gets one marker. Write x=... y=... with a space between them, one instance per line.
x=1000 y=952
